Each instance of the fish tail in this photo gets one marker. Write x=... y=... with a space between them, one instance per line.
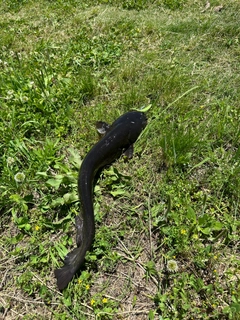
x=64 y=276
x=72 y=263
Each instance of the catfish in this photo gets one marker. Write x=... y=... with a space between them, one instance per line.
x=117 y=139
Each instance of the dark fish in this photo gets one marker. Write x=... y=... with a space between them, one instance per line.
x=119 y=138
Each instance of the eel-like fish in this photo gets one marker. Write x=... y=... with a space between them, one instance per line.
x=119 y=138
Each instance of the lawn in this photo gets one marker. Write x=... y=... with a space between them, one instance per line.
x=167 y=221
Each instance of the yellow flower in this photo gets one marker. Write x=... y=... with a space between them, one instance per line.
x=87 y=286
x=79 y=281
x=37 y=228
x=183 y=231
x=104 y=300
x=92 y=302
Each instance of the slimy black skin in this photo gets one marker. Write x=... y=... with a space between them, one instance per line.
x=119 y=139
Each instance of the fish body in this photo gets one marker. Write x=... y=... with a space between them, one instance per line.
x=119 y=138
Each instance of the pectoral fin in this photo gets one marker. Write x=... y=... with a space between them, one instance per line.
x=129 y=152
x=102 y=127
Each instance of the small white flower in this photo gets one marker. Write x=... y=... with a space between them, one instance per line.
x=24 y=99
x=10 y=161
x=10 y=94
x=172 y=266
x=19 y=177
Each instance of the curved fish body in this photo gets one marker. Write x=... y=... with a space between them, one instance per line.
x=119 y=138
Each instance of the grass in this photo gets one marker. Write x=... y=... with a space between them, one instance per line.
x=167 y=222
